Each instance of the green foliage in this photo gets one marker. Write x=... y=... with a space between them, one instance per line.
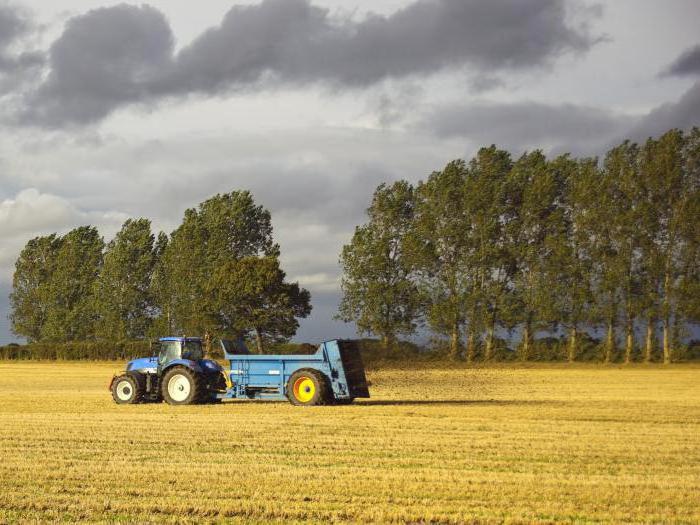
x=218 y=273
x=250 y=295
x=220 y=231
x=544 y=245
x=378 y=293
x=77 y=350
x=121 y=293
x=30 y=297
x=71 y=316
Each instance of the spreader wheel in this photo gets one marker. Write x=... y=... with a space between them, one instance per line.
x=181 y=386
x=307 y=388
x=128 y=389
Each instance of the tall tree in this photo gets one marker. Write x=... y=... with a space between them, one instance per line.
x=223 y=229
x=161 y=290
x=535 y=192
x=570 y=262
x=250 y=296
x=438 y=242
x=29 y=299
x=122 y=291
x=488 y=252
x=78 y=262
x=379 y=294
x=617 y=235
x=665 y=176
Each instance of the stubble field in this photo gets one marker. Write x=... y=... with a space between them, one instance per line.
x=434 y=444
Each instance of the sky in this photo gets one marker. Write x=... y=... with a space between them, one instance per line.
x=117 y=110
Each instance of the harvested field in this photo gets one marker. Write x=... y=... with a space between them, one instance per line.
x=434 y=444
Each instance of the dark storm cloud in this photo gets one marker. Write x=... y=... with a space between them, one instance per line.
x=104 y=58
x=299 y=42
x=688 y=63
x=527 y=125
x=114 y=56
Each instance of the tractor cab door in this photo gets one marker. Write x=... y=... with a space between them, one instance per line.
x=169 y=351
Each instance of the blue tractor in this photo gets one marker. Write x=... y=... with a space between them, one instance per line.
x=178 y=373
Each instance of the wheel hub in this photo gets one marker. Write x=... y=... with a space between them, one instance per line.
x=124 y=390
x=179 y=387
x=304 y=389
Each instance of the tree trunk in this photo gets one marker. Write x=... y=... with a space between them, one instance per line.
x=649 y=347
x=471 y=349
x=259 y=341
x=667 y=319
x=488 y=351
x=527 y=341
x=573 y=344
x=629 y=340
x=610 y=341
x=454 y=341
x=388 y=343
x=667 y=340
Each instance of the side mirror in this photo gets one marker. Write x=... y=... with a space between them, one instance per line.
x=155 y=348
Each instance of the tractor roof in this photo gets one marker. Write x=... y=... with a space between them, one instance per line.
x=181 y=339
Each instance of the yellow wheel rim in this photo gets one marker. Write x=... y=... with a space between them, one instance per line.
x=304 y=389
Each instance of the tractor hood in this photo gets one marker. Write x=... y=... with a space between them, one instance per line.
x=143 y=365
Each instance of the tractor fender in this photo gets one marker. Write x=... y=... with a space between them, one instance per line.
x=187 y=363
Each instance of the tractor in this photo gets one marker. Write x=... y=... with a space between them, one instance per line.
x=179 y=374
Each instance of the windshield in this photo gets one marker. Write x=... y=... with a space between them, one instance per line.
x=169 y=350
x=192 y=350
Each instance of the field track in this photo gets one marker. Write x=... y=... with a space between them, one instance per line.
x=509 y=444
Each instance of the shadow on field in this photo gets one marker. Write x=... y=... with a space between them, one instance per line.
x=417 y=402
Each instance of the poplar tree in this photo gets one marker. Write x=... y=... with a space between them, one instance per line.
x=665 y=176
x=379 y=294
x=71 y=316
x=488 y=252
x=537 y=221
x=439 y=240
x=30 y=299
x=569 y=246
x=122 y=290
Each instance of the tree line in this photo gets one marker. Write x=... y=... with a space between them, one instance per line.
x=217 y=273
x=530 y=245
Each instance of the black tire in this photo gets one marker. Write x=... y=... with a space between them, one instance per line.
x=311 y=388
x=182 y=386
x=128 y=389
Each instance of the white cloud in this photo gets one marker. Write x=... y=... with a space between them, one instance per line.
x=31 y=213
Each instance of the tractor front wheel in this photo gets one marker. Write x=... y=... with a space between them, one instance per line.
x=181 y=386
x=128 y=389
x=307 y=388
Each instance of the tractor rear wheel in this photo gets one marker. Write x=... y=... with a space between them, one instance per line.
x=181 y=386
x=307 y=388
x=128 y=389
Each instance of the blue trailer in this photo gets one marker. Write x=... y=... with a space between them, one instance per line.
x=179 y=374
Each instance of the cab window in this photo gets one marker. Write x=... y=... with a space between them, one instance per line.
x=192 y=350
x=169 y=350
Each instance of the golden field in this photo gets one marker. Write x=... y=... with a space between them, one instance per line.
x=434 y=444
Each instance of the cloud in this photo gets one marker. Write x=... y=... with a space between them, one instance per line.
x=682 y=114
x=104 y=58
x=31 y=213
x=688 y=63
x=121 y=55
x=15 y=26
x=527 y=125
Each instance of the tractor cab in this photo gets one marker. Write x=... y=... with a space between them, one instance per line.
x=175 y=348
